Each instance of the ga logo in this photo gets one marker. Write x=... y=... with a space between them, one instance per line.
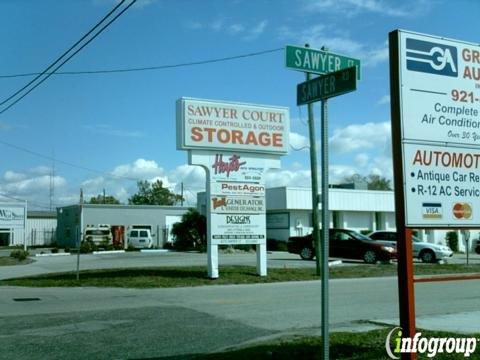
x=432 y=58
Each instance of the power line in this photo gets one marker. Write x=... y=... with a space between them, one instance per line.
x=149 y=68
x=31 y=152
x=62 y=56
x=66 y=60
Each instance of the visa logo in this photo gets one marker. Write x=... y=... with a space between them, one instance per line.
x=432 y=58
x=432 y=210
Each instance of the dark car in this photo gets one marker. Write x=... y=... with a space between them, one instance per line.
x=346 y=244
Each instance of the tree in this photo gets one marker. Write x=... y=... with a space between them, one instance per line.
x=153 y=194
x=99 y=199
x=374 y=182
x=191 y=231
x=377 y=182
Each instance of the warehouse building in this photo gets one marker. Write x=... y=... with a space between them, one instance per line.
x=36 y=229
x=13 y=223
x=73 y=220
x=289 y=212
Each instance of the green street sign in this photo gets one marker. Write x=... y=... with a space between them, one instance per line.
x=317 y=61
x=327 y=86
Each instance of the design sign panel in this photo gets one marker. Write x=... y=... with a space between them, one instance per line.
x=439 y=98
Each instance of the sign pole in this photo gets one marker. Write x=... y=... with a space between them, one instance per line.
x=406 y=294
x=313 y=167
x=325 y=231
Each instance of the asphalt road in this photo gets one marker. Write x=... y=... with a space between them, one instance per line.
x=86 y=323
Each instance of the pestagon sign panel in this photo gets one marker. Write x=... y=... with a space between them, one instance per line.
x=439 y=99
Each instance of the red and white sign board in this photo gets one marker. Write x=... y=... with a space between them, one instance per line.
x=439 y=101
x=229 y=126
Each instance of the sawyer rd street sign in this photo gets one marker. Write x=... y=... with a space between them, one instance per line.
x=327 y=86
x=317 y=61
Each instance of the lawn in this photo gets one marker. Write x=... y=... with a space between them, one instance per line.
x=197 y=276
x=343 y=345
x=9 y=261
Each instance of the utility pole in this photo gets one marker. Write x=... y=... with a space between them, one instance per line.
x=181 y=201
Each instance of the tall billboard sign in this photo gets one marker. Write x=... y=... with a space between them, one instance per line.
x=439 y=105
x=236 y=144
x=435 y=101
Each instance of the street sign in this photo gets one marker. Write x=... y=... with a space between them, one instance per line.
x=327 y=86
x=317 y=61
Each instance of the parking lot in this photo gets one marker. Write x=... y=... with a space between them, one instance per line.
x=275 y=259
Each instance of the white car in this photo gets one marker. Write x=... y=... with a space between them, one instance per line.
x=425 y=251
x=140 y=239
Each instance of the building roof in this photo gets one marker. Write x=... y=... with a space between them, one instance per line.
x=300 y=198
x=32 y=214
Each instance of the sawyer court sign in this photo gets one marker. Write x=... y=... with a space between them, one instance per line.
x=212 y=125
x=439 y=105
x=236 y=144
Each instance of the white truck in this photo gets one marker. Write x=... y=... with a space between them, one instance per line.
x=99 y=234
x=140 y=237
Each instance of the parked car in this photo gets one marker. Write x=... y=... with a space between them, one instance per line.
x=346 y=244
x=427 y=252
x=139 y=238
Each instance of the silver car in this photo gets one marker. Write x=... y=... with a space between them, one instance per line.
x=425 y=251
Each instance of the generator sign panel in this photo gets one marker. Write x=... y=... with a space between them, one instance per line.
x=439 y=99
x=212 y=125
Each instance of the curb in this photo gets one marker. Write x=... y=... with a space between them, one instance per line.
x=53 y=254
x=108 y=252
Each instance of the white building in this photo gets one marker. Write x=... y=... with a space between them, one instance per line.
x=289 y=213
x=37 y=229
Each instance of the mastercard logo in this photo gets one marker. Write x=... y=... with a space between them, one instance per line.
x=462 y=211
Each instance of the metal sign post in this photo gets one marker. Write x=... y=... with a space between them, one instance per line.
x=314 y=176
x=320 y=89
x=325 y=227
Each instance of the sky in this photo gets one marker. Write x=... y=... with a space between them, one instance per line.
x=107 y=131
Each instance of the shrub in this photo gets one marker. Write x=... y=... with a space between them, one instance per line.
x=54 y=250
x=87 y=246
x=19 y=254
x=452 y=240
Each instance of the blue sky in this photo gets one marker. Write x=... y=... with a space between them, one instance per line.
x=123 y=125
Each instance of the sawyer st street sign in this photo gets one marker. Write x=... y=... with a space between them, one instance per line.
x=317 y=61
x=327 y=86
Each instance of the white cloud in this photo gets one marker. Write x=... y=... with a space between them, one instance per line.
x=140 y=4
x=349 y=8
x=256 y=30
x=298 y=142
x=246 y=32
x=360 y=137
x=385 y=99
x=236 y=28
x=107 y=129
x=361 y=160
x=319 y=36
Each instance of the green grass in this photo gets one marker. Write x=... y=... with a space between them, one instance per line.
x=9 y=261
x=343 y=345
x=197 y=275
